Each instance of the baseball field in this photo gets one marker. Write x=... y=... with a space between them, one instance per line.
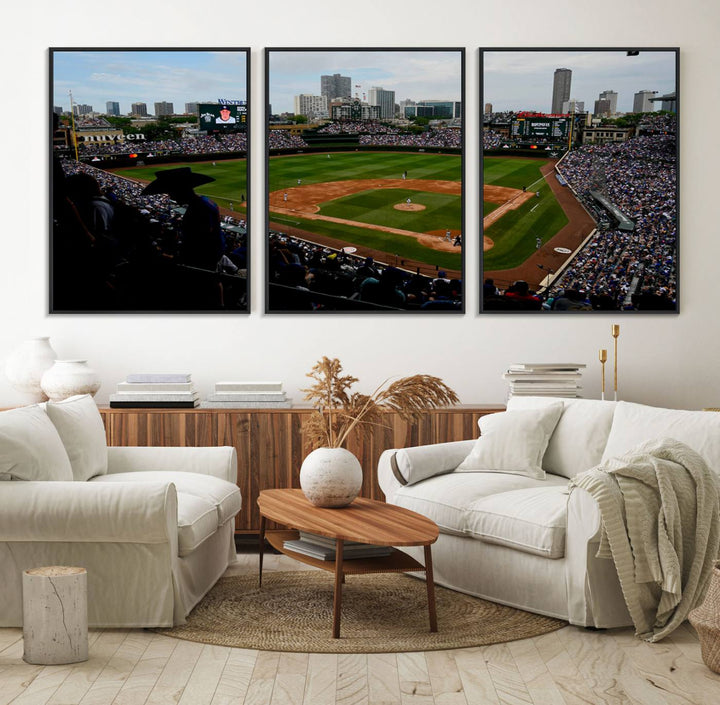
x=400 y=204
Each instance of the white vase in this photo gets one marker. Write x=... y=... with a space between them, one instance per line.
x=26 y=365
x=331 y=477
x=66 y=378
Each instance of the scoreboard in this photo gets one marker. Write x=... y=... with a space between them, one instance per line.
x=541 y=128
x=222 y=116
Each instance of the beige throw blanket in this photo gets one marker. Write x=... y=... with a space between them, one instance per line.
x=660 y=524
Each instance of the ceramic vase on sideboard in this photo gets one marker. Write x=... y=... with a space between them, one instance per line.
x=331 y=477
x=66 y=378
x=26 y=365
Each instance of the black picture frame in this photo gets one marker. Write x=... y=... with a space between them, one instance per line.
x=114 y=249
x=618 y=187
x=316 y=269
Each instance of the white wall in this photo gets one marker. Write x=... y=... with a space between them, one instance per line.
x=665 y=360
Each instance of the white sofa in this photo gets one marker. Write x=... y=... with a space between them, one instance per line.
x=524 y=539
x=153 y=527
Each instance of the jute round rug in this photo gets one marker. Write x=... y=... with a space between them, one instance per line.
x=380 y=613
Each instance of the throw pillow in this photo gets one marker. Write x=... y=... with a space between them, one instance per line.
x=30 y=447
x=513 y=442
x=80 y=426
x=411 y=465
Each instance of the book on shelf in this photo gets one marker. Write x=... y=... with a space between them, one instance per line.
x=158 y=377
x=327 y=553
x=143 y=404
x=248 y=396
x=246 y=404
x=132 y=387
x=248 y=387
x=155 y=396
x=326 y=540
x=559 y=366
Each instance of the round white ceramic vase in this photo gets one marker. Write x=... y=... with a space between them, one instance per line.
x=66 y=378
x=26 y=365
x=331 y=477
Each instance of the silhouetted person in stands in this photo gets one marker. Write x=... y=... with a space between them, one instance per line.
x=519 y=294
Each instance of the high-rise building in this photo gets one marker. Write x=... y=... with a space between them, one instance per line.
x=164 y=108
x=384 y=99
x=139 y=109
x=191 y=108
x=488 y=108
x=561 y=89
x=612 y=97
x=434 y=109
x=314 y=107
x=336 y=86
x=112 y=108
x=82 y=109
x=57 y=109
x=573 y=106
x=603 y=108
x=641 y=102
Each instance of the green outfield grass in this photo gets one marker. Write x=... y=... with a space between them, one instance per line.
x=442 y=211
x=375 y=206
x=403 y=246
x=230 y=179
x=515 y=233
x=283 y=172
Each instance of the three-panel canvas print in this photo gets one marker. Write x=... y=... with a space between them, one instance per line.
x=364 y=191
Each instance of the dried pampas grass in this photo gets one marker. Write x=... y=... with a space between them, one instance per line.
x=338 y=410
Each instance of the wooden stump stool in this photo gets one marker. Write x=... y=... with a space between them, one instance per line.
x=55 y=615
x=706 y=620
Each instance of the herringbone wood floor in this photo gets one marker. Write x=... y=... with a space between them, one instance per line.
x=569 y=666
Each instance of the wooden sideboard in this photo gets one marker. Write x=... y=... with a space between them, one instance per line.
x=270 y=443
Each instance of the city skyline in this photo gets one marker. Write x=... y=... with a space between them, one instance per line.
x=147 y=76
x=523 y=80
x=418 y=75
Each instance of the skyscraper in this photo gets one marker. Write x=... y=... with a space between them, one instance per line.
x=164 y=108
x=385 y=99
x=112 y=107
x=139 y=109
x=561 y=89
x=612 y=97
x=314 y=107
x=336 y=86
x=641 y=102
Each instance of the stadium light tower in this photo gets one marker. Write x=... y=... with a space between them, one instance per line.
x=72 y=123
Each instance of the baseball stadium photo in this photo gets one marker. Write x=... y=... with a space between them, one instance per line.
x=364 y=180
x=149 y=180
x=579 y=180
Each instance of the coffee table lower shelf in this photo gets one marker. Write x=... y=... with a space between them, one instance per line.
x=396 y=562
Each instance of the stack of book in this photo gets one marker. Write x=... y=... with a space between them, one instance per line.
x=544 y=379
x=323 y=548
x=247 y=395
x=155 y=391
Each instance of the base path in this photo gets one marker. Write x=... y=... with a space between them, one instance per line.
x=537 y=267
x=304 y=202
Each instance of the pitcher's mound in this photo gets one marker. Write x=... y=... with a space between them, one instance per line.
x=409 y=207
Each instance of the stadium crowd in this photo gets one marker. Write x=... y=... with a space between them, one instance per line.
x=307 y=276
x=356 y=127
x=492 y=139
x=222 y=144
x=282 y=139
x=445 y=138
x=115 y=248
x=619 y=269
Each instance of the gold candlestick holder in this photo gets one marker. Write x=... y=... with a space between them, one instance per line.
x=615 y=331
x=603 y=360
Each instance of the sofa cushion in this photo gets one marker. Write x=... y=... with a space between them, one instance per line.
x=532 y=520
x=421 y=462
x=81 y=429
x=634 y=424
x=30 y=447
x=581 y=434
x=197 y=521
x=223 y=495
x=446 y=499
x=513 y=442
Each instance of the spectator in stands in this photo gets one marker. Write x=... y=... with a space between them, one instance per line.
x=520 y=295
x=202 y=242
x=386 y=291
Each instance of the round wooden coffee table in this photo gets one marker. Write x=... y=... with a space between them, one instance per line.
x=366 y=521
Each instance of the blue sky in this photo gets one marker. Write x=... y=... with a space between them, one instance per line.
x=523 y=80
x=418 y=75
x=179 y=77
